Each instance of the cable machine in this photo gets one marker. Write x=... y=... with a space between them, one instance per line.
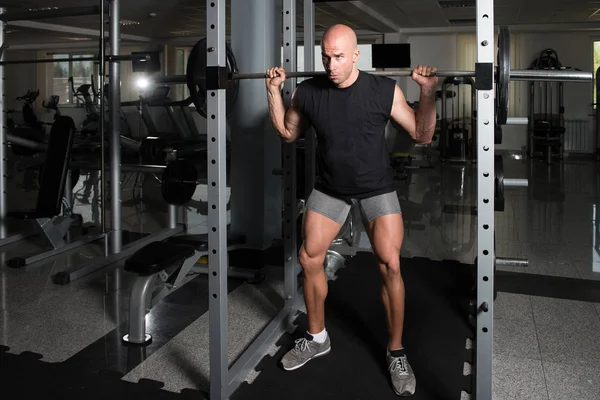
x=546 y=127
x=458 y=131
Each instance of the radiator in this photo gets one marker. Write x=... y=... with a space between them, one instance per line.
x=579 y=136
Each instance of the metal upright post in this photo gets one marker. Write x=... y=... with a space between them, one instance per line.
x=310 y=141
x=290 y=208
x=102 y=73
x=115 y=132
x=485 y=198
x=217 y=199
x=3 y=230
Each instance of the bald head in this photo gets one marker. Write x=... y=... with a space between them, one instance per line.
x=339 y=52
x=340 y=33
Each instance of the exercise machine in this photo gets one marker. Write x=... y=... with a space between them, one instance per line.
x=163 y=267
x=55 y=186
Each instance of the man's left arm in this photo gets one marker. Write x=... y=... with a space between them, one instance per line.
x=420 y=125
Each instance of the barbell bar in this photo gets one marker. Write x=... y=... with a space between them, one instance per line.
x=517 y=121
x=515 y=182
x=515 y=75
x=199 y=77
x=511 y=262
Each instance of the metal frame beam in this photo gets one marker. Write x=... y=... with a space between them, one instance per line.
x=486 y=110
x=223 y=380
x=51 y=13
x=74 y=30
x=3 y=164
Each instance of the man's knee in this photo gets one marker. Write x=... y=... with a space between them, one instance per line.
x=311 y=259
x=390 y=264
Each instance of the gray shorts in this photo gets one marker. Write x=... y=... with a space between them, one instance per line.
x=338 y=209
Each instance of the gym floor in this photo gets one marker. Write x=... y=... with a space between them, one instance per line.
x=547 y=315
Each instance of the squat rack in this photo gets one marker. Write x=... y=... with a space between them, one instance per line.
x=224 y=380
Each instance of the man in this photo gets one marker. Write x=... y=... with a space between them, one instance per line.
x=349 y=110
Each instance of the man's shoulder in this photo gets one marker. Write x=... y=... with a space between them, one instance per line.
x=379 y=79
x=316 y=82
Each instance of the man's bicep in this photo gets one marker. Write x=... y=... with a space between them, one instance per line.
x=402 y=114
x=295 y=121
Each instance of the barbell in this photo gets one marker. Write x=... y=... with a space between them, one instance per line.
x=180 y=179
x=198 y=80
x=155 y=150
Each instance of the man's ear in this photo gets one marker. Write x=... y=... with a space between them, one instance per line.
x=356 y=55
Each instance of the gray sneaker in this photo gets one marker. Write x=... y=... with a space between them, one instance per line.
x=401 y=374
x=305 y=350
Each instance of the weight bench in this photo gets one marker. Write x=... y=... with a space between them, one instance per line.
x=45 y=216
x=168 y=263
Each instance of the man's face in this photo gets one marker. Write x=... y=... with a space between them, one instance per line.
x=338 y=57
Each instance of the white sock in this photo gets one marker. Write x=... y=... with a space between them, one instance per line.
x=319 y=337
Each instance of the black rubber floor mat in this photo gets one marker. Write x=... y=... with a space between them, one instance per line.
x=24 y=376
x=435 y=334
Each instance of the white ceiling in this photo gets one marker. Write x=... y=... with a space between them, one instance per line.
x=174 y=19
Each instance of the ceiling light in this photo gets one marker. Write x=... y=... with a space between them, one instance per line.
x=456 y=3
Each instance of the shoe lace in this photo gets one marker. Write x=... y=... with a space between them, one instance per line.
x=398 y=365
x=302 y=344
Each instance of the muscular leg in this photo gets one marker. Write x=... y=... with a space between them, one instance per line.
x=318 y=232
x=386 y=234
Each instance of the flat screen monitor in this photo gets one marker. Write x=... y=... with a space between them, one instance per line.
x=392 y=55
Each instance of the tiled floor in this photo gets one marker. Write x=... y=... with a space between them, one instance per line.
x=544 y=348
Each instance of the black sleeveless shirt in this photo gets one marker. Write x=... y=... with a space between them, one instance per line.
x=350 y=123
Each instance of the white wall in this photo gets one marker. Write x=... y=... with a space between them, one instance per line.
x=18 y=78
x=437 y=50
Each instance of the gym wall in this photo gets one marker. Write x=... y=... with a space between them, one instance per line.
x=18 y=79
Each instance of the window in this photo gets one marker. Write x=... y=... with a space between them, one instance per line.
x=181 y=91
x=596 y=66
x=81 y=72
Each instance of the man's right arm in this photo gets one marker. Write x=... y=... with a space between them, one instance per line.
x=288 y=124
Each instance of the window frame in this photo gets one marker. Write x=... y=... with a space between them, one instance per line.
x=72 y=55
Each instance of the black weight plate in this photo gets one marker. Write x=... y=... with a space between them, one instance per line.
x=498 y=183
x=196 y=77
x=498 y=134
x=503 y=75
x=179 y=182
